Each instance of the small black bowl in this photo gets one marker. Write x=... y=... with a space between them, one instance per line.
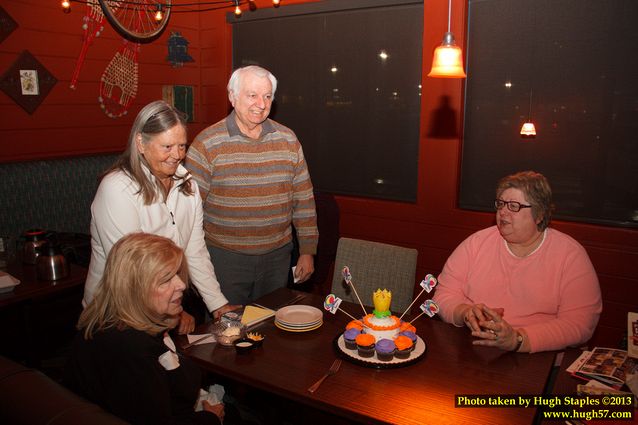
x=256 y=342
x=244 y=345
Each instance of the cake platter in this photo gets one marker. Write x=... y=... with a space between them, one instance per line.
x=353 y=356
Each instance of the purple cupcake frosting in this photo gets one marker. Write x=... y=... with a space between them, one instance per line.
x=351 y=334
x=409 y=334
x=385 y=346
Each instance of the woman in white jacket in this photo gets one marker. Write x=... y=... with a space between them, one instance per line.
x=148 y=190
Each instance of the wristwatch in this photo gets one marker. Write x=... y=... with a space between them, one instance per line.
x=519 y=341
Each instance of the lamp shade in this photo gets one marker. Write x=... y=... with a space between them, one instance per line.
x=448 y=59
x=528 y=130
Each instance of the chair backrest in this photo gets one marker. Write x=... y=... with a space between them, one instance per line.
x=373 y=266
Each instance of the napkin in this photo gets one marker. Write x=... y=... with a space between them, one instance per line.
x=169 y=360
x=192 y=338
x=7 y=282
x=295 y=278
x=214 y=395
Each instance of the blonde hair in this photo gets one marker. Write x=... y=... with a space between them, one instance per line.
x=133 y=267
x=154 y=119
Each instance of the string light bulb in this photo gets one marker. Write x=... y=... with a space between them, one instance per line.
x=275 y=2
x=158 y=13
x=448 y=57
x=237 y=9
x=66 y=6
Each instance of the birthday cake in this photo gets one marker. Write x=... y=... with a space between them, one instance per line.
x=380 y=325
x=380 y=337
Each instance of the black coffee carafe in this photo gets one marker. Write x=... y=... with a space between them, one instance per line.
x=33 y=239
x=51 y=264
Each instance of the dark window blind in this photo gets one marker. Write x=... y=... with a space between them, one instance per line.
x=578 y=58
x=349 y=77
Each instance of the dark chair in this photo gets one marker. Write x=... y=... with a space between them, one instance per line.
x=373 y=266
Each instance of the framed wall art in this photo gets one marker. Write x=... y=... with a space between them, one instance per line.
x=7 y=24
x=27 y=82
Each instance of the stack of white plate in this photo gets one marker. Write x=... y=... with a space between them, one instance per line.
x=298 y=318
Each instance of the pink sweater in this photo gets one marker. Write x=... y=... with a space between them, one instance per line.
x=553 y=293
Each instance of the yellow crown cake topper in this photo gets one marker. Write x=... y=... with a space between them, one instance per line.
x=382 y=300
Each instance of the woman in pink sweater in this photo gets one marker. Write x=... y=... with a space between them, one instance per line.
x=519 y=285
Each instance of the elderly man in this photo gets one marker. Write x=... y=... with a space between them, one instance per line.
x=255 y=184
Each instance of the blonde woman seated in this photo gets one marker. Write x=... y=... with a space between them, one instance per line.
x=521 y=285
x=123 y=358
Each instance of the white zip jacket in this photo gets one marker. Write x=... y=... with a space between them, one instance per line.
x=118 y=210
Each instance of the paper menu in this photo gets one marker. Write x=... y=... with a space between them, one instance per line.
x=632 y=334
x=253 y=315
x=7 y=282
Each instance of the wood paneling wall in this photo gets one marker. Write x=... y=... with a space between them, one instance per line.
x=70 y=122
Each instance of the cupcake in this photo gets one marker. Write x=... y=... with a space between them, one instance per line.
x=385 y=349
x=404 y=347
x=350 y=336
x=356 y=324
x=407 y=326
x=410 y=335
x=365 y=345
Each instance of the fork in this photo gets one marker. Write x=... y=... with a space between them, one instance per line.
x=334 y=368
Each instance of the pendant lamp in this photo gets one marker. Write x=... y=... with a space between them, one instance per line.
x=528 y=130
x=448 y=57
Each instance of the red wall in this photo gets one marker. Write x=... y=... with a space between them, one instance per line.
x=71 y=122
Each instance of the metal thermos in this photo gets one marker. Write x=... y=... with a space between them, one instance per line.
x=51 y=263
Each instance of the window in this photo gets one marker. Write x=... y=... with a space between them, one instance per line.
x=577 y=57
x=349 y=75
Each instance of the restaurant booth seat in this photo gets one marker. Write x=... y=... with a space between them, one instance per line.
x=29 y=397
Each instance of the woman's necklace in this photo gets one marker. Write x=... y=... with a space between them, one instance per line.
x=530 y=249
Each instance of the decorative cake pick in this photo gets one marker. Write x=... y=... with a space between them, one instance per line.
x=332 y=303
x=348 y=278
x=427 y=284
x=429 y=307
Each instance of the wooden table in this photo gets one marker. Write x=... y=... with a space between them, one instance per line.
x=565 y=384
x=37 y=314
x=32 y=288
x=288 y=363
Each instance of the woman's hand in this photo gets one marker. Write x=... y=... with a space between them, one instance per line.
x=217 y=409
x=224 y=309
x=493 y=330
x=473 y=314
x=186 y=323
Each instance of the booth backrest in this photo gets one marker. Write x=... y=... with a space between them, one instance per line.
x=51 y=194
x=29 y=397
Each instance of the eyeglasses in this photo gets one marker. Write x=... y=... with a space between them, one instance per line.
x=513 y=206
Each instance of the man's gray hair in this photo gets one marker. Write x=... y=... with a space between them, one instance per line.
x=234 y=84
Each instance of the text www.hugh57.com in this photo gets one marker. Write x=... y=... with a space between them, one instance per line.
x=588 y=415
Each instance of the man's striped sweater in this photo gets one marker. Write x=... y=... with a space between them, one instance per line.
x=253 y=190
